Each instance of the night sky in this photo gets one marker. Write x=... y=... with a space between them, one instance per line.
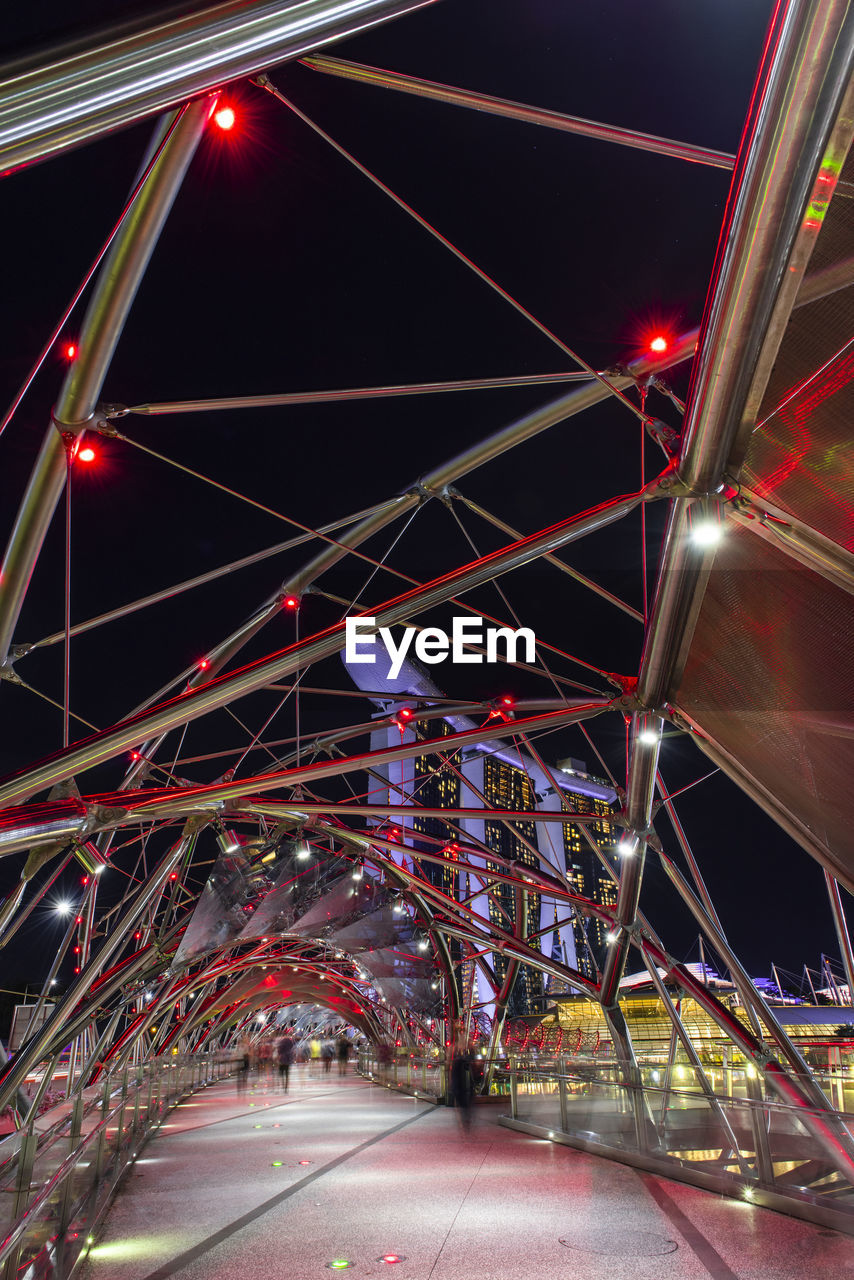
x=281 y=269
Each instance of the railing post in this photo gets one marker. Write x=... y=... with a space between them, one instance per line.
x=561 y=1089
x=73 y=1143
x=26 y=1158
x=120 y=1119
x=514 y=1088
x=102 y=1140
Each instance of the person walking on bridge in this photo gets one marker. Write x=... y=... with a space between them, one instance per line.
x=285 y=1056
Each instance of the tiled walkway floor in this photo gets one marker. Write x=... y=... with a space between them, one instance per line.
x=274 y=1187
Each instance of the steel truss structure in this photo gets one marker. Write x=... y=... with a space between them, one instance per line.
x=140 y=990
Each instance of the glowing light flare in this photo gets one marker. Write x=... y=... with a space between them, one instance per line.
x=70 y=351
x=658 y=344
x=706 y=534
x=291 y=602
x=225 y=118
x=86 y=454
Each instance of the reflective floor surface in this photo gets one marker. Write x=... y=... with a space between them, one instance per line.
x=268 y=1186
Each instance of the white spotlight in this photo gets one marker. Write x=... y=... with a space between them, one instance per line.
x=707 y=533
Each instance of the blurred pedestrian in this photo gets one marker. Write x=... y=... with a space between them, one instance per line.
x=244 y=1061
x=462 y=1083
x=327 y=1053
x=285 y=1056
x=343 y=1053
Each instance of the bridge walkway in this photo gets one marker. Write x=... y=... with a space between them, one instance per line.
x=268 y=1186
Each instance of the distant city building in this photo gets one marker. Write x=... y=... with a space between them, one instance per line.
x=495 y=775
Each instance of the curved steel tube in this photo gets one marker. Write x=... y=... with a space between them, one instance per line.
x=118 y=282
x=49 y=109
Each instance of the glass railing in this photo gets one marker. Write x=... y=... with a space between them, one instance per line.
x=717 y=1128
x=56 y=1182
x=419 y=1075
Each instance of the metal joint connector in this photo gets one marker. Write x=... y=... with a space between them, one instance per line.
x=113 y=410
x=423 y=492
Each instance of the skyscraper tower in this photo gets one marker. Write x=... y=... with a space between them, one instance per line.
x=494 y=775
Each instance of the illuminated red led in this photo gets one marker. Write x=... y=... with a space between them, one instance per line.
x=406 y=713
x=225 y=118
x=658 y=344
x=291 y=602
x=134 y=755
x=70 y=351
x=508 y=702
x=390 y=1257
x=86 y=454
x=204 y=664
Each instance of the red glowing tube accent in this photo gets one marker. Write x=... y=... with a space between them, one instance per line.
x=225 y=118
x=659 y=344
x=86 y=454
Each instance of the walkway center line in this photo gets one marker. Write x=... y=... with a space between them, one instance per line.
x=190 y=1255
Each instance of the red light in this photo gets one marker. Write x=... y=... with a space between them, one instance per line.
x=174 y=875
x=659 y=344
x=390 y=1257
x=225 y=118
x=509 y=702
x=291 y=602
x=134 y=755
x=70 y=351
x=204 y=664
x=86 y=454
x=405 y=713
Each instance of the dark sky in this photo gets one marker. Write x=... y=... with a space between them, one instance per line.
x=282 y=269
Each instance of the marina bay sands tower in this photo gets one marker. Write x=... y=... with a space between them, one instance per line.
x=489 y=776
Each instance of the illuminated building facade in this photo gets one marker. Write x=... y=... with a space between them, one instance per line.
x=497 y=776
